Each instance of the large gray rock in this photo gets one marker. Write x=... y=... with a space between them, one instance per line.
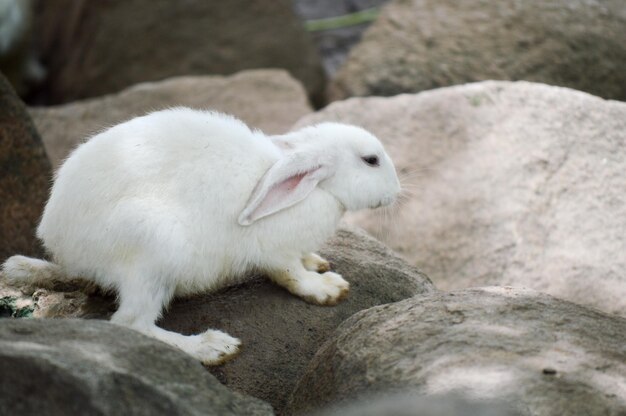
x=508 y=184
x=280 y=332
x=541 y=355
x=269 y=100
x=418 y=45
x=94 y=48
x=24 y=176
x=79 y=367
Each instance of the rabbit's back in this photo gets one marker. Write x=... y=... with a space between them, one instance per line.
x=161 y=190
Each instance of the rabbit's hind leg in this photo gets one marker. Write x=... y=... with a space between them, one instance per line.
x=322 y=289
x=140 y=305
x=313 y=262
x=212 y=347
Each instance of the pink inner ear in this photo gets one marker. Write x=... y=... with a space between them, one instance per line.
x=284 y=194
x=292 y=182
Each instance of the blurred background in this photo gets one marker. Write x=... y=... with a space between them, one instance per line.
x=57 y=51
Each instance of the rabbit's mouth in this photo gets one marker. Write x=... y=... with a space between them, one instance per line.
x=383 y=202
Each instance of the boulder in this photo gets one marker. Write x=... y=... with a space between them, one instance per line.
x=269 y=100
x=96 y=48
x=280 y=332
x=71 y=367
x=24 y=176
x=539 y=354
x=507 y=184
x=418 y=45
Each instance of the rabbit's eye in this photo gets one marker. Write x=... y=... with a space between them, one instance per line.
x=371 y=160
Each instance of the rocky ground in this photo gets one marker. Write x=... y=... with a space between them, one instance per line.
x=503 y=288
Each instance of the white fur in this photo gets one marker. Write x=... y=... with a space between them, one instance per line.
x=153 y=207
x=22 y=270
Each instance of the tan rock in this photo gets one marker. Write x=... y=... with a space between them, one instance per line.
x=417 y=45
x=269 y=100
x=509 y=184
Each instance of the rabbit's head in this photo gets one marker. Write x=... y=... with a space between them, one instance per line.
x=346 y=161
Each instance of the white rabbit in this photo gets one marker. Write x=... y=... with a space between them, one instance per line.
x=182 y=201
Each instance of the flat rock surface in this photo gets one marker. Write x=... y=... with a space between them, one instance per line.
x=507 y=184
x=269 y=100
x=538 y=354
x=92 y=48
x=280 y=332
x=418 y=45
x=24 y=176
x=72 y=367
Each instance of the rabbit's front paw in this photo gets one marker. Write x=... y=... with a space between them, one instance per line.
x=214 y=347
x=315 y=263
x=325 y=289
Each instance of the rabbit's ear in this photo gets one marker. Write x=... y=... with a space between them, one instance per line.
x=286 y=183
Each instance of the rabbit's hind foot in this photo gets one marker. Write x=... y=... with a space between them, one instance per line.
x=315 y=263
x=211 y=347
x=216 y=347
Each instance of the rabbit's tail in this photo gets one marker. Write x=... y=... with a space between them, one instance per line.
x=24 y=271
